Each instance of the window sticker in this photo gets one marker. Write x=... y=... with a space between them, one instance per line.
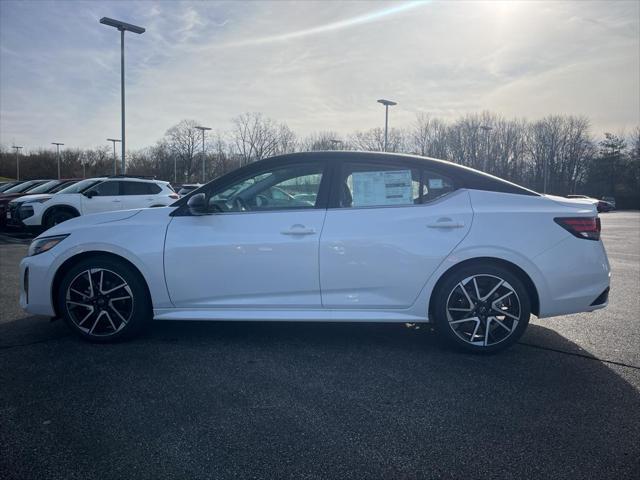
x=382 y=188
x=435 y=183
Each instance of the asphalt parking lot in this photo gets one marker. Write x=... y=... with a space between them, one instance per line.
x=295 y=400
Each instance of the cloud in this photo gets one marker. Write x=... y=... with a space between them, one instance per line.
x=314 y=65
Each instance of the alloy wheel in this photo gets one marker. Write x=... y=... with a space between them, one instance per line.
x=483 y=310
x=99 y=302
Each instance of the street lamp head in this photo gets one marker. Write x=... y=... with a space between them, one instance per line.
x=387 y=103
x=122 y=26
x=203 y=128
x=113 y=140
x=57 y=143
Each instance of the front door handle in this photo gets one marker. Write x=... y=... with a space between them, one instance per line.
x=298 y=230
x=445 y=223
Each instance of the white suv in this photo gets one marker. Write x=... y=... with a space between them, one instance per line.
x=95 y=195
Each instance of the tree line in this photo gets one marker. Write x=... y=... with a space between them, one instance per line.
x=558 y=151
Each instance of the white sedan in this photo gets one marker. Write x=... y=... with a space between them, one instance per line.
x=386 y=238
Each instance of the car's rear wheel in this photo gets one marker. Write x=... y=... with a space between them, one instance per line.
x=482 y=308
x=104 y=300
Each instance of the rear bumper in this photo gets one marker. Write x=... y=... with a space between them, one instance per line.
x=577 y=275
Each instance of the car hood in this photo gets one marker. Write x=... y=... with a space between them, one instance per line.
x=30 y=198
x=147 y=215
x=7 y=197
x=89 y=220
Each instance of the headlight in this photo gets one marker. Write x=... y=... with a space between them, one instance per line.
x=37 y=200
x=41 y=245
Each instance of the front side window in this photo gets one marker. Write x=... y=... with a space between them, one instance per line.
x=283 y=188
x=106 y=189
x=382 y=185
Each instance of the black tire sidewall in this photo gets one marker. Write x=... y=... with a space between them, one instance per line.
x=142 y=311
x=456 y=276
x=51 y=217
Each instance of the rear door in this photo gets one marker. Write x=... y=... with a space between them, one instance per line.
x=137 y=194
x=391 y=224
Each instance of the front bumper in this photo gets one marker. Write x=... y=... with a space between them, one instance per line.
x=36 y=279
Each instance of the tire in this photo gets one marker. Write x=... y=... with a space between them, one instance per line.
x=114 y=306
x=58 y=216
x=489 y=324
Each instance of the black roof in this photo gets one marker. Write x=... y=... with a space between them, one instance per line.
x=465 y=177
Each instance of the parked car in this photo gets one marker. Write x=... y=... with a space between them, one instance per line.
x=390 y=238
x=188 y=188
x=14 y=192
x=38 y=194
x=94 y=195
x=601 y=205
x=611 y=201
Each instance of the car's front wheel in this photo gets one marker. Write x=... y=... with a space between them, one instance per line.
x=104 y=300
x=481 y=308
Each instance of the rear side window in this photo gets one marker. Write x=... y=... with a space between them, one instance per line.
x=140 y=188
x=382 y=185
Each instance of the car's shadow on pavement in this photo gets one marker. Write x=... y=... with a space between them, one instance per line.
x=312 y=400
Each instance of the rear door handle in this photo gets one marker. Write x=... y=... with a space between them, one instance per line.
x=298 y=230
x=445 y=223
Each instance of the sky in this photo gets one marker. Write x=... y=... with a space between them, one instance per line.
x=317 y=66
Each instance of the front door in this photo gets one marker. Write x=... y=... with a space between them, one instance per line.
x=104 y=197
x=250 y=251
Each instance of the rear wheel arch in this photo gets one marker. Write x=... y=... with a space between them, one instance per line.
x=70 y=262
x=512 y=267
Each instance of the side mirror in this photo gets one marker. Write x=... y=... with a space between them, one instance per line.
x=90 y=194
x=197 y=204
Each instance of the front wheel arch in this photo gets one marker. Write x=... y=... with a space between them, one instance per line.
x=512 y=267
x=70 y=262
x=55 y=208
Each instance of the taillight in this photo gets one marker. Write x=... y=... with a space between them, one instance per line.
x=174 y=195
x=581 y=227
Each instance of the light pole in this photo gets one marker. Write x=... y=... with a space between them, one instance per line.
x=17 y=162
x=387 y=104
x=57 y=144
x=114 y=141
x=123 y=27
x=486 y=129
x=203 y=129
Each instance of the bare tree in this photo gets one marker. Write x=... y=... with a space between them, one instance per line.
x=184 y=140
x=256 y=137
x=373 y=140
x=327 y=140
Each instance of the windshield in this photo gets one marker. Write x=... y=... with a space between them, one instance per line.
x=23 y=186
x=62 y=186
x=7 y=186
x=81 y=185
x=45 y=187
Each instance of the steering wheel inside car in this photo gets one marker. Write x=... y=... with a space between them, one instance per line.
x=262 y=200
x=239 y=205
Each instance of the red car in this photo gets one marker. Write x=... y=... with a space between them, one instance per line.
x=21 y=189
